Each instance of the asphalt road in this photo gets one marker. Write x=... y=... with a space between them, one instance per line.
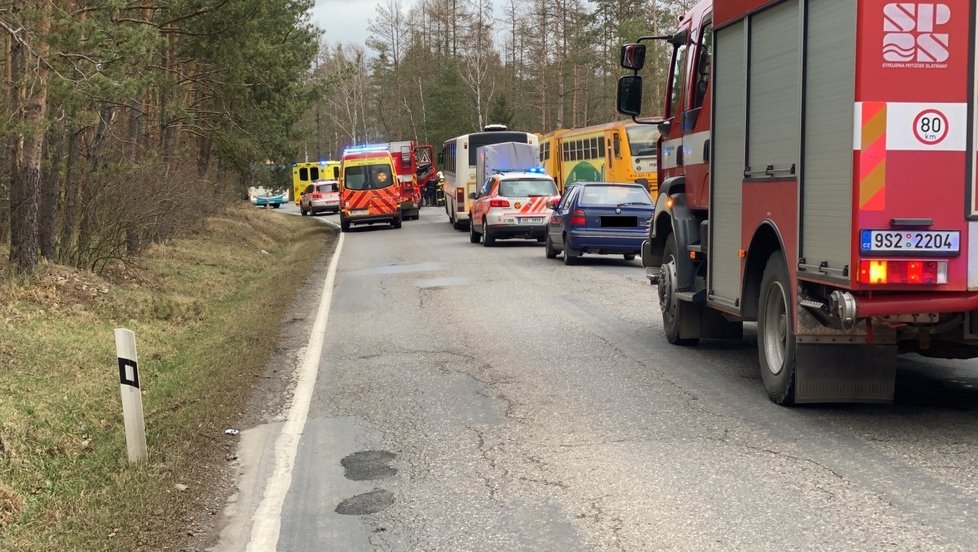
x=473 y=398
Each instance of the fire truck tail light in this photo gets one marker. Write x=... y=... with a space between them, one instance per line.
x=578 y=218
x=498 y=203
x=903 y=272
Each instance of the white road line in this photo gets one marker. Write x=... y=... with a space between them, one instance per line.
x=267 y=521
x=331 y=223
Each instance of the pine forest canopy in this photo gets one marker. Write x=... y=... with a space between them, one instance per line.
x=433 y=69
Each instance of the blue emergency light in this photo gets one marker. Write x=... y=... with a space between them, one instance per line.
x=366 y=148
x=535 y=170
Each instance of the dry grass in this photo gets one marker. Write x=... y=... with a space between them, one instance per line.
x=206 y=311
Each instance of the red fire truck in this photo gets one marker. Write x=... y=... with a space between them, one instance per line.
x=427 y=169
x=406 y=166
x=817 y=175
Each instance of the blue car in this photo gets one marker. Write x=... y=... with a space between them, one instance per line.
x=604 y=218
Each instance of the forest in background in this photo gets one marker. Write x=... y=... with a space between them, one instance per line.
x=126 y=122
x=434 y=69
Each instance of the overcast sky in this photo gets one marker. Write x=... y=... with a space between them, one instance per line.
x=346 y=20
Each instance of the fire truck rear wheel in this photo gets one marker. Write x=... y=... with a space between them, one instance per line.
x=668 y=303
x=344 y=225
x=776 y=348
x=396 y=223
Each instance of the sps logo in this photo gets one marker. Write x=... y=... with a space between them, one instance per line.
x=910 y=33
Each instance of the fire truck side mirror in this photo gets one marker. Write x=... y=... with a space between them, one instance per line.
x=633 y=56
x=630 y=95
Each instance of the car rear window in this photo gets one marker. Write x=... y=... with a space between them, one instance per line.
x=367 y=177
x=325 y=188
x=615 y=195
x=528 y=187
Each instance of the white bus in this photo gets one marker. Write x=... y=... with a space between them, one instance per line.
x=458 y=165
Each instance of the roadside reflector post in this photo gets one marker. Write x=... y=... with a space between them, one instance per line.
x=132 y=398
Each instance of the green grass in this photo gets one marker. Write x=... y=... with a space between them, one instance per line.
x=206 y=312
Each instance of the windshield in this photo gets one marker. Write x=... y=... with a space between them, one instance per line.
x=367 y=177
x=615 y=196
x=642 y=139
x=526 y=188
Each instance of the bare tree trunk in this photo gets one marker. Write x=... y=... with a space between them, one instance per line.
x=90 y=192
x=26 y=183
x=72 y=186
x=48 y=216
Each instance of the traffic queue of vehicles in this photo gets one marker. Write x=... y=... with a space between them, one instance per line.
x=517 y=199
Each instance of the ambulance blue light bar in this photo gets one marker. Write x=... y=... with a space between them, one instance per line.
x=535 y=170
x=366 y=148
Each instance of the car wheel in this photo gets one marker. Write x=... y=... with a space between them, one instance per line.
x=776 y=345
x=275 y=206
x=570 y=256
x=549 y=250
x=487 y=239
x=303 y=211
x=629 y=256
x=473 y=235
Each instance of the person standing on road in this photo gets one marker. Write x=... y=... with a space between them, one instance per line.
x=429 y=193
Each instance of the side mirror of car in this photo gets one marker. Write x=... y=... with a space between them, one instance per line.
x=473 y=195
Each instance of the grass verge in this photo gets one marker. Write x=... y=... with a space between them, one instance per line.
x=206 y=311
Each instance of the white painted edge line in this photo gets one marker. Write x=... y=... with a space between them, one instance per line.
x=267 y=522
x=329 y=222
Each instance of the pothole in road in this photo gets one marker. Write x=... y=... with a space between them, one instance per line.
x=375 y=501
x=369 y=464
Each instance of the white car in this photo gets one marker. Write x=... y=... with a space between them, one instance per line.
x=320 y=197
x=512 y=205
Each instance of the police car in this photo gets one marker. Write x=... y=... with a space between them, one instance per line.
x=512 y=204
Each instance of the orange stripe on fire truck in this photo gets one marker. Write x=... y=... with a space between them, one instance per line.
x=872 y=156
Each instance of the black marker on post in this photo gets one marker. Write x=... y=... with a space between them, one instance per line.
x=132 y=398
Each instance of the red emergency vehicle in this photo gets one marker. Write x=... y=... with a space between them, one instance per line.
x=368 y=187
x=817 y=175
x=406 y=167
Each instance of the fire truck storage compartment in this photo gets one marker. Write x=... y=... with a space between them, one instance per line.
x=762 y=114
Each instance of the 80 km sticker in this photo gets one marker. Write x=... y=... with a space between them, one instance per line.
x=930 y=127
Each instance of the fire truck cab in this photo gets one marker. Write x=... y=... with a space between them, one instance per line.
x=817 y=175
x=368 y=187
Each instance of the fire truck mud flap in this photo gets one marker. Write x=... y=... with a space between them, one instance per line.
x=843 y=373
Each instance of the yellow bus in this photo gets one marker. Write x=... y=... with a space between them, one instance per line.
x=623 y=151
x=304 y=174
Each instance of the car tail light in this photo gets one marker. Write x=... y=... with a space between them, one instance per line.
x=317 y=196
x=460 y=200
x=578 y=218
x=498 y=203
x=902 y=272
